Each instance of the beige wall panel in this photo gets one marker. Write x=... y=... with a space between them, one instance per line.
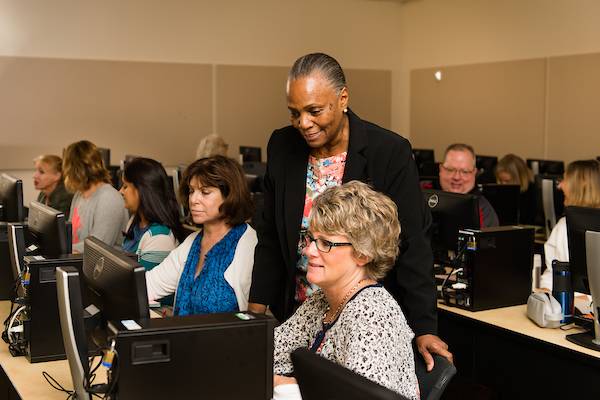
x=497 y=107
x=155 y=109
x=251 y=102
x=371 y=95
x=573 y=107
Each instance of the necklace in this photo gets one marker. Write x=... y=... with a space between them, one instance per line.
x=343 y=302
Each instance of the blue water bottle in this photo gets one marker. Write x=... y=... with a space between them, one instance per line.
x=562 y=290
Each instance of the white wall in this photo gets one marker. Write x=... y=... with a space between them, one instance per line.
x=441 y=32
x=359 y=33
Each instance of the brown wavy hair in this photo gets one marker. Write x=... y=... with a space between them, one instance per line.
x=583 y=183
x=83 y=166
x=226 y=175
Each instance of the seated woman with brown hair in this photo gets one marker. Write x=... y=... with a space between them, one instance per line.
x=211 y=270
x=97 y=208
x=351 y=244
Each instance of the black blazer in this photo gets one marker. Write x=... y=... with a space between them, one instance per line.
x=376 y=156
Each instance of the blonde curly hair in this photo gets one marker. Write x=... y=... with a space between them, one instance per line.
x=368 y=219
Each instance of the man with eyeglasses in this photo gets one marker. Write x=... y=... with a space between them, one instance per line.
x=457 y=175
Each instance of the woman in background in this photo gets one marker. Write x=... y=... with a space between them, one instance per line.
x=211 y=145
x=211 y=270
x=97 y=208
x=512 y=170
x=48 y=179
x=154 y=228
x=581 y=186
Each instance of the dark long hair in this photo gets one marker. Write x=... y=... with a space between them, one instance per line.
x=157 y=198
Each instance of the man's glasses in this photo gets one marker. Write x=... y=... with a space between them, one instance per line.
x=323 y=245
x=460 y=172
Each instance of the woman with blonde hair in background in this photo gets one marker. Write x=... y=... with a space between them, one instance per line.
x=97 y=208
x=211 y=145
x=581 y=186
x=48 y=179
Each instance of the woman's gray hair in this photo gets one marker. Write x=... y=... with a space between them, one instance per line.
x=319 y=63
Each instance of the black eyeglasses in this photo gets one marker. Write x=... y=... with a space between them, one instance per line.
x=323 y=245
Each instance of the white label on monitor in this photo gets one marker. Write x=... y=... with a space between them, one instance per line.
x=130 y=325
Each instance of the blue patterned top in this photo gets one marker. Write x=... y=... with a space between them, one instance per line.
x=209 y=292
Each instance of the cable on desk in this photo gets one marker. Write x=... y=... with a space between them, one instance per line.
x=454 y=263
x=54 y=383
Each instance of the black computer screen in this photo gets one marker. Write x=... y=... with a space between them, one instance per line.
x=11 y=199
x=485 y=168
x=549 y=167
x=580 y=220
x=425 y=160
x=250 y=153
x=116 y=284
x=450 y=212
x=505 y=200
x=49 y=228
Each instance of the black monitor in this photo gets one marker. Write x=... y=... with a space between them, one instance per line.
x=11 y=199
x=580 y=220
x=425 y=160
x=250 y=153
x=451 y=212
x=549 y=200
x=112 y=286
x=49 y=229
x=505 y=200
x=319 y=378
x=583 y=233
x=547 y=167
x=105 y=154
x=116 y=284
x=485 y=169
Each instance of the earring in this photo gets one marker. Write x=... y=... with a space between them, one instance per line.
x=345 y=110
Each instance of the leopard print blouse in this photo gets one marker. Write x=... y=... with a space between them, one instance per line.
x=370 y=336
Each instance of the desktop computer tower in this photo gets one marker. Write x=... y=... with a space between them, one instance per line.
x=212 y=356
x=6 y=276
x=495 y=268
x=41 y=328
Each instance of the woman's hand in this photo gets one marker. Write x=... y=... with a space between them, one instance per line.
x=283 y=380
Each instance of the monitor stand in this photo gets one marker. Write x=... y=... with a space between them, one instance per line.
x=591 y=339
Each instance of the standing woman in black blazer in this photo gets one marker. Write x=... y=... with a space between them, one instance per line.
x=327 y=145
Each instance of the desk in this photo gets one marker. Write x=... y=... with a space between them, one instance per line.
x=23 y=380
x=507 y=353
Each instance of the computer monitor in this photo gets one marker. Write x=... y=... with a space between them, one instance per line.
x=451 y=212
x=112 y=287
x=49 y=229
x=505 y=200
x=547 y=167
x=250 y=153
x=549 y=201
x=583 y=234
x=105 y=154
x=580 y=220
x=425 y=160
x=319 y=378
x=11 y=199
x=485 y=169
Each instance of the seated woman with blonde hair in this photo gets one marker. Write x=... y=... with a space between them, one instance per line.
x=512 y=170
x=581 y=186
x=212 y=145
x=48 y=179
x=351 y=243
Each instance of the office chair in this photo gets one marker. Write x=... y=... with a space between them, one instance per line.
x=432 y=384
